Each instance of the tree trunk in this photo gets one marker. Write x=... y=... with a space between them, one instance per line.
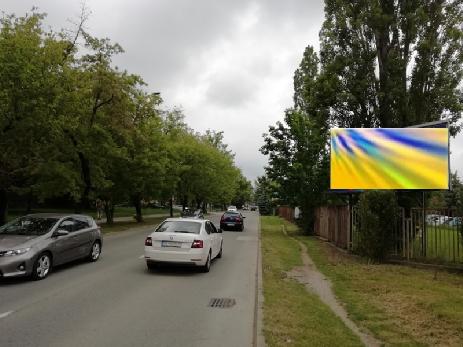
x=171 y=207
x=3 y=206
x=85 y=167
x=203 y=208
x=136 y=200
x=109 y=212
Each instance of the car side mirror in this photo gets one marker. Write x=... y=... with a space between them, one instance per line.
x=60 y=232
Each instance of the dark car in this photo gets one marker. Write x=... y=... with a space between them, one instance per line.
x=31 y=245
x=232 y=221
x=253 y=208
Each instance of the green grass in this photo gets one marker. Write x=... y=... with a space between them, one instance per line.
x=402 y=306
x=292 y=315
x=122 y=226
x=118 y=211
x=443 y=244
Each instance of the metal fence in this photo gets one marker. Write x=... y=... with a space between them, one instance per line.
x=434 y=235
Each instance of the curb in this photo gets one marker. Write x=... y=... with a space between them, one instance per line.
x=259 y=339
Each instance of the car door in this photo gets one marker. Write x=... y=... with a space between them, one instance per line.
x=82 y=236
x=64 y=247
x=213 y=237
x=218 y=238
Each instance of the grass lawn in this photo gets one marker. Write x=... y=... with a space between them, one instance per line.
x=118 y=211
x=121 y=226
x=402 y=306
x=293 y=316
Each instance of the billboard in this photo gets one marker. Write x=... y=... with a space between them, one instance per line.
x=383 y=158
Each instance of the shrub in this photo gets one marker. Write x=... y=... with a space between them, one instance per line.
x=378 y=218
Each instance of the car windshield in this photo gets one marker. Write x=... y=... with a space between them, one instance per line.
x=179 y=227
x=31 y=226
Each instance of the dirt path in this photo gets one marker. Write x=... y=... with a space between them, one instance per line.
x=316 y=282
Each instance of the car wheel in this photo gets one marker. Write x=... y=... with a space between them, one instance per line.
x=242 y=228
x=220 y=253
x=42 y=267
x=95 y=251
x=206 y=267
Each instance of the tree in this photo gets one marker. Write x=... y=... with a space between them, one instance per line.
x=381 y=64
x=393 y=64
x=243 y=191
x=297 y=150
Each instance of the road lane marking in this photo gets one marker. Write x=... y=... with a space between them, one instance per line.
x=5 y=314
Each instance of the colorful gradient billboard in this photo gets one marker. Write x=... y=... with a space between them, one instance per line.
x=380 y=158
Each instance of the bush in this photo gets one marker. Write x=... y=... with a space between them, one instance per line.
x=378 y=218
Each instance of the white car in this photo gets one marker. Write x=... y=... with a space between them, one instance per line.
x=232 y=209
x=184 y=241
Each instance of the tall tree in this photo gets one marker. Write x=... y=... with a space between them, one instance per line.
x=393 y=63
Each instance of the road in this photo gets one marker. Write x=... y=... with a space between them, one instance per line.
x=117 y=302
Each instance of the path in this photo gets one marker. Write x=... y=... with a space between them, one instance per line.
x=316 y=282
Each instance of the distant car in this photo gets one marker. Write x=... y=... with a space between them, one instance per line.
x=184 y=241
x=232 y=208
x=232 y=220
x=253 y=208
x=245 y=208
x=33 y=244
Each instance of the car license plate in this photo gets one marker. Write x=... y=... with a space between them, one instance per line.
x=231 y=224
x=170 y=244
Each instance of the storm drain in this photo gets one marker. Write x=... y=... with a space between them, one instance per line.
x=222 y=302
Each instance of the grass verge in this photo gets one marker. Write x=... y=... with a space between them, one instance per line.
x=292 y=315
x=118 y=211
x=122 y=226
x=402 y=306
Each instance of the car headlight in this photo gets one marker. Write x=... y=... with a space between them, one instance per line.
x=16 y=252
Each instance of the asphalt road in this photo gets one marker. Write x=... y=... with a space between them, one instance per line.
x=117 y=302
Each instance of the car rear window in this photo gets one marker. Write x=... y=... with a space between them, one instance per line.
x=231 y=214
x=179 y=227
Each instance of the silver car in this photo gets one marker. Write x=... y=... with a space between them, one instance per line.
x=31 y=245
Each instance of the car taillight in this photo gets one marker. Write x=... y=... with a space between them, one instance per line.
x=197 y=244
x=148 y=241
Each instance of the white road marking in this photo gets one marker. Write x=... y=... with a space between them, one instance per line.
x=5 y=314
x=141 y=257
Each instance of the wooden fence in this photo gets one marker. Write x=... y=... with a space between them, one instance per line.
x=333 y=224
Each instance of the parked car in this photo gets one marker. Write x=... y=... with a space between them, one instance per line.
x=232 y=208
x=232 y=220
x=184 y=241
x=253 y=208
x=33 y=244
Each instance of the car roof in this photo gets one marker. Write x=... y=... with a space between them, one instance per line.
x=56 y=215
x=186 y=219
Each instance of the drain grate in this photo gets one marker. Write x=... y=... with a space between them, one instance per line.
x=222 y=302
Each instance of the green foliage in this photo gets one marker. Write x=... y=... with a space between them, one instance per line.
x=378 y=219
x=264 y=195
x=381 y=64
x=73 y=125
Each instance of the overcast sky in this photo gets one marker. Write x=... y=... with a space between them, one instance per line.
x=228 y=64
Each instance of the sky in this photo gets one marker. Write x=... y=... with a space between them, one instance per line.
x=228 y=64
